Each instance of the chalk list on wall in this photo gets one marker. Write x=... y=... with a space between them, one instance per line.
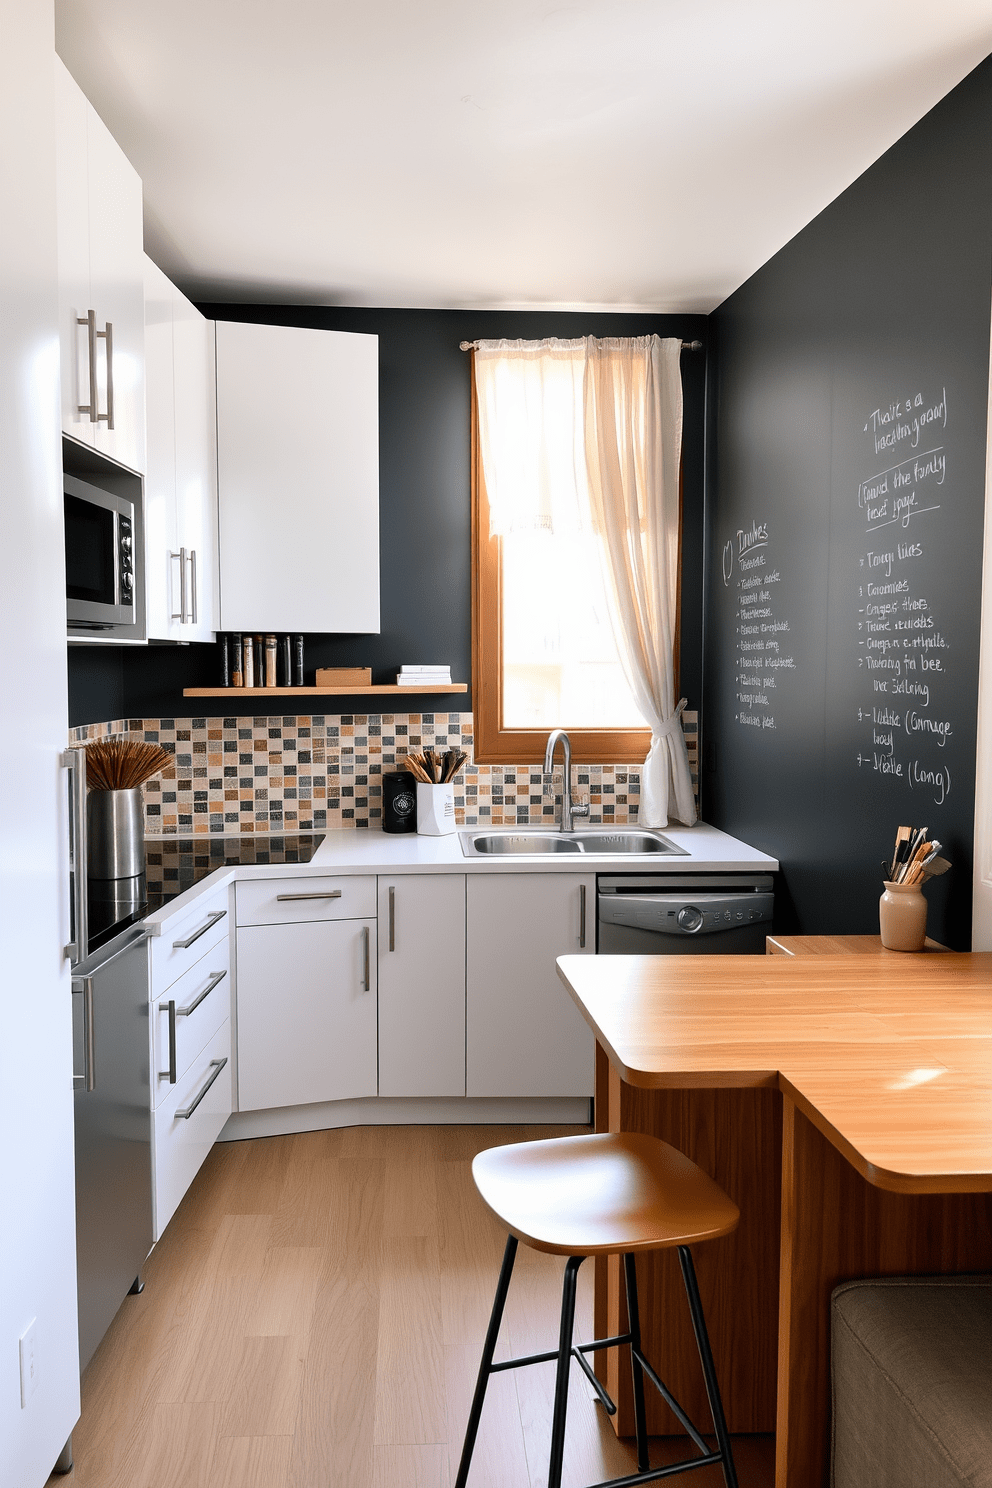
x=763 y=658
x=901 y=650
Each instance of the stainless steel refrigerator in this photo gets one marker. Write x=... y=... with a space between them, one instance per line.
x=113 y=1130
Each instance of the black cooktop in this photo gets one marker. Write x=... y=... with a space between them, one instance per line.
x=175 y=864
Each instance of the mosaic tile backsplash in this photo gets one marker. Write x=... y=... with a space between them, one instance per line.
x=312 y=772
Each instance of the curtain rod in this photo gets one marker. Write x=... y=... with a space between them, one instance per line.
x=686 y=345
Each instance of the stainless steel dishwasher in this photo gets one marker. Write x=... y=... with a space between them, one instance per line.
x=679 y=914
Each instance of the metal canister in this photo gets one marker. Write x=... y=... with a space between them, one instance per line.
x=115 y=832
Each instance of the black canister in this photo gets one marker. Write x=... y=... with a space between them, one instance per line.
x=399 y=802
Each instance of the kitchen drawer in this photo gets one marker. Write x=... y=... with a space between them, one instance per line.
x=181 y=1142
x=188 y=937
x=288 y=901
x=202 y=1020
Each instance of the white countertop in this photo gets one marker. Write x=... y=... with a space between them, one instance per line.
x=370 y=850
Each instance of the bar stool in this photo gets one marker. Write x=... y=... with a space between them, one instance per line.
x=609 y=1194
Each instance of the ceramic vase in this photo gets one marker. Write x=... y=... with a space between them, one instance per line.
x=902 y=917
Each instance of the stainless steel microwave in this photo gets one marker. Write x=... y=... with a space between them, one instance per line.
x=102 y=562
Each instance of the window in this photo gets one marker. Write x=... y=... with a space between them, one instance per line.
x=544 y=653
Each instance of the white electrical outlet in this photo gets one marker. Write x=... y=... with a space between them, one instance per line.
x=27 y=1345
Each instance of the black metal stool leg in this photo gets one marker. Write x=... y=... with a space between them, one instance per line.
x=561 y=1379
x=709 y=1372
x=489 y=1348
x=637 y=1374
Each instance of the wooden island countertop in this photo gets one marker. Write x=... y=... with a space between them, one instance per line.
x=844 y=1101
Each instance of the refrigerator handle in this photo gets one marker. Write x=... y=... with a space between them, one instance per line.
x=74 y=760
x=87 y=1080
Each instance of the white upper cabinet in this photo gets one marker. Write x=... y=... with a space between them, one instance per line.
x=298 y=477
x=180 y=483
x=101 y=295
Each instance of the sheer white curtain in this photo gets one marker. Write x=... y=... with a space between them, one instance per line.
x=590 y=431
x=633 y=438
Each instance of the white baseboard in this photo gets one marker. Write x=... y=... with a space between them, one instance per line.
x=397 y=1111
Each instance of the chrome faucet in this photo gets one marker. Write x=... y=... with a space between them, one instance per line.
x=567 y=809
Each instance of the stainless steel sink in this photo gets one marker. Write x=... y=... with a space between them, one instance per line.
x=615 y=843
x=540 y=844
x=515 y=844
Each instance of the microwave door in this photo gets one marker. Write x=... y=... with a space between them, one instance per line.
x=98 y=557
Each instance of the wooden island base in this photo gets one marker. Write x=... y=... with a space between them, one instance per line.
x=843 y=1102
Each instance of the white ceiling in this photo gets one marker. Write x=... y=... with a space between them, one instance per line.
x=630 y=154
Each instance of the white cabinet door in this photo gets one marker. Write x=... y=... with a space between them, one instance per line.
x=161 y=542
x=196 y=465
x=72 y=200
x=306 y=1000
x=100 y=269
x=181 y=479
x=524 y=1035
x=298 y=479
x=422 y=985
x=117 y=294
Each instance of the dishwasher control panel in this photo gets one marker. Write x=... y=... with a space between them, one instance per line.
x=659 y=914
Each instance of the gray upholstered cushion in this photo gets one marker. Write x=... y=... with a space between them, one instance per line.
x=911 y=1359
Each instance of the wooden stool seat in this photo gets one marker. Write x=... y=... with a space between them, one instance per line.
x=614 y=1193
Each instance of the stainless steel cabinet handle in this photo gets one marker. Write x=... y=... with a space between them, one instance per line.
x=87 y=1080
x=179 y=614
x=582 y=917
x=392 y=918
x=184 y=1012
x=366 y=953
x=181 y=945
x=329 y=894
x=89 y=321
x=217 y=1065
x=192 y=583
x=107 y=334
x=74 y=761
x=170 y=1073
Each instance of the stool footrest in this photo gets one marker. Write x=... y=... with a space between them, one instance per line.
x=670 y=1401
x=605 y=1398
x=654 y=1473
x=585 y=1348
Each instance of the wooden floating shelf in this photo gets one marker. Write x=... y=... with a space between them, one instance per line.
x=385 y=689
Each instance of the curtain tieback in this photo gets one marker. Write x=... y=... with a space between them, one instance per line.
x=672 y=725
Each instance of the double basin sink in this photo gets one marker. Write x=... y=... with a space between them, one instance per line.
x=634 y=842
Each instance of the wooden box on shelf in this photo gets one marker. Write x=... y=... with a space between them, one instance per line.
x=344 y=677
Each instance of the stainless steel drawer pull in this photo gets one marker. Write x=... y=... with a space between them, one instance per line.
x=328 y=894
x=217 y=1065
x=170 y=1008
x=192 y=585
x=182 y=945
x=392 y=918
x=582 y=917
x=367 y=939
x=215 y=979
x=87 y=1080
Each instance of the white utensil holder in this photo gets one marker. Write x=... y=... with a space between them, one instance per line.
x=435 y=809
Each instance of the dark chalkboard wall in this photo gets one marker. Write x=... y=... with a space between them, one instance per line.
x=843 y=578
x=424 y=513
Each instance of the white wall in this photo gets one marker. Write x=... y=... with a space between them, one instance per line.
x=37 y=1227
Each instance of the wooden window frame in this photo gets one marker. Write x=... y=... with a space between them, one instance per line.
x=494 y=743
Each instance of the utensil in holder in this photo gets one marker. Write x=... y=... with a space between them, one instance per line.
x=115 y=833
x=435 y=809
x=902 y=917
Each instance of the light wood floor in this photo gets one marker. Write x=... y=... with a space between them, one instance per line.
x=313 y=1318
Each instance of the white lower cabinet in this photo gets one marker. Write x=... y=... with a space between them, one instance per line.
x=306 y=1000
x=524 y=1034
x=192 y=1068
x=422 y=985
x=187 y=1124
